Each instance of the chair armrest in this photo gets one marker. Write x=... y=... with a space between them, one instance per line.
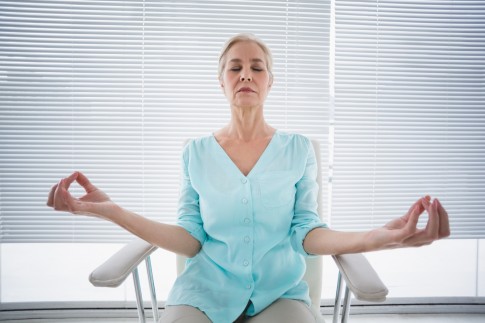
x=114 y=271
x=361 y=278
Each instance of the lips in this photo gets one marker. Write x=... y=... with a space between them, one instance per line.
x=246 y=89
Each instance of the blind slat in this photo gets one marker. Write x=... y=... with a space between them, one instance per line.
x=408 y=111
x=114 y=88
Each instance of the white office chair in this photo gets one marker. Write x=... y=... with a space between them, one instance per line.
x=355 y=273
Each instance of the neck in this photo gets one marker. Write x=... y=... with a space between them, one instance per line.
x=248 y=124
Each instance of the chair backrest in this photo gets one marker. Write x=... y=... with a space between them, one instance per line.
x=313 y=274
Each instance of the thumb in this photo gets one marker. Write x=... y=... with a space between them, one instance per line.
x=413 y=219
x=85 y=182
x=68 y=180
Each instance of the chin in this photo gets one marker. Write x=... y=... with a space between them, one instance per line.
x=247 y=104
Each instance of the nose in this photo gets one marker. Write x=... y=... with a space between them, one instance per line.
x=245 y=76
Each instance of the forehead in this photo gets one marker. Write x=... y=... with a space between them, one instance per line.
x=246 y=51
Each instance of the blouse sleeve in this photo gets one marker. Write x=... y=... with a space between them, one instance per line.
x=188 y=206
x=306 y=216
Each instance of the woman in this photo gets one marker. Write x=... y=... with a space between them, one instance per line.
x=248 y=210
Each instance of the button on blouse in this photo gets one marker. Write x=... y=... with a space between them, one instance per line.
x=251 y=228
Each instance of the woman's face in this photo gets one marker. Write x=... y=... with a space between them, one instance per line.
x=245 y=79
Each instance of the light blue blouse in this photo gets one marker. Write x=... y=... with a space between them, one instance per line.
x=251 y=228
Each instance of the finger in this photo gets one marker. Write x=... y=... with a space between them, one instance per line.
x=418 y=204
x=85 y=183
x=414 y=205
x=69 y=202
x=50 y=198
x=414 y=217
x=426 y=204
x=415 y=236
x=64 y=184
x=444 y=230
x=411 y=225
x=433 y=225
x=58 y=202
x=69 y=180
x=422 y=237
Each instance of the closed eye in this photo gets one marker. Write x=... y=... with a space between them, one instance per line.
x=237 y=69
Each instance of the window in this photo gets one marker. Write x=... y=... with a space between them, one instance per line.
x=409 y=111
x=114 y=88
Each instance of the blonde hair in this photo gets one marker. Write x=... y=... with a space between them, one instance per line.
x=241 y=38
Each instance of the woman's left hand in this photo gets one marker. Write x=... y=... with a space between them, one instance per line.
x=404 y=232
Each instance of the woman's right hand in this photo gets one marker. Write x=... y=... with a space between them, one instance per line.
x=95 y=202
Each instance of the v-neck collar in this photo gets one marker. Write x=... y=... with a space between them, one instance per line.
x=261 y=160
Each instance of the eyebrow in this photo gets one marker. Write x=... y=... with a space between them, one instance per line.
x=254 y=60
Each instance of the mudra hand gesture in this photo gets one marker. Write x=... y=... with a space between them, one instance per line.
x=94 y=202
x=398 y=233
x=403 y=231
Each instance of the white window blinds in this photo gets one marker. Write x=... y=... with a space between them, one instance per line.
x=409 y=111
x=113 y=88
